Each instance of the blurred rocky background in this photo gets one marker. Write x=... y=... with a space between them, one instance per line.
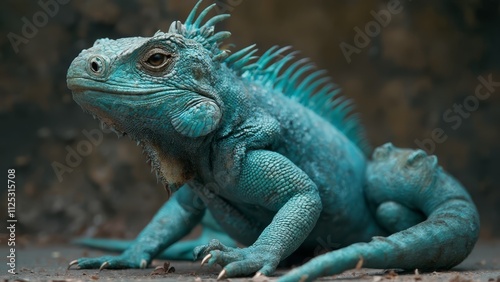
x=409 y=66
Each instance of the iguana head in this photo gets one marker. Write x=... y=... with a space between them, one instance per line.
x=394 y=166
x=159 y=90
x=159 y=84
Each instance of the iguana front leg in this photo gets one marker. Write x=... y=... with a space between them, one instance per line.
x=174 y=220
x=181 y=250
x=273 y=182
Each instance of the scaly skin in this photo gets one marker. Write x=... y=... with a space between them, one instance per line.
x=275 y=158
x=433 y=220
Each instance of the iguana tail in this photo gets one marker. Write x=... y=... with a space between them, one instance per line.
x=182 y=250
x=110 y=245
x=415 y=182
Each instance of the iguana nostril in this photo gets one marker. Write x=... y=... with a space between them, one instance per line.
x=94 y=66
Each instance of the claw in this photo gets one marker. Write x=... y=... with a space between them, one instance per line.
x=72 y=263
x=222 y=274
x=206 y=258
x=104 y=265
x=144 y=263
x=257 y=275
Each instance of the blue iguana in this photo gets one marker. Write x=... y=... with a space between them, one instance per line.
x=267 y=147
x=430 y=216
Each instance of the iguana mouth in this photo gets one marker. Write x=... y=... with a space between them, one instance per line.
x=81 y=84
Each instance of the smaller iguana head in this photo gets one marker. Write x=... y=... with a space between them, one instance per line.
x=391 y=166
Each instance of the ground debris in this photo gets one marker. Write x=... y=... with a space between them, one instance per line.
x=391 y=274
x=359 y=265
x=163 y=269
x=417 y=275
x=459 y=278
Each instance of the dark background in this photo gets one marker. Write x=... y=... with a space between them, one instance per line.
x=426 y=60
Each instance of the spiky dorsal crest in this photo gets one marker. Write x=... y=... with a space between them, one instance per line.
x=278 y=69
x=203 y=33
x=301 y=81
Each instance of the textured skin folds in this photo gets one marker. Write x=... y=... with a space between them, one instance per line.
x=438 y=225
x=263 y=151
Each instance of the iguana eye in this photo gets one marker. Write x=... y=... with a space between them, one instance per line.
x=156 y=60
x=97 y=65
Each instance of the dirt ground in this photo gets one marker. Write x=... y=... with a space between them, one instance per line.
x=49 y=264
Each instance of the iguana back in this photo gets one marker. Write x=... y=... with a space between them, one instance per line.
x=279 y=71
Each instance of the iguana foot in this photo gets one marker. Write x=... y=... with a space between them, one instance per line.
x=111 y=262
x=238 y=262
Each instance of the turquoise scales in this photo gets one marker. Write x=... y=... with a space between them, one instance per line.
x=262 y=151
x=315 y=91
